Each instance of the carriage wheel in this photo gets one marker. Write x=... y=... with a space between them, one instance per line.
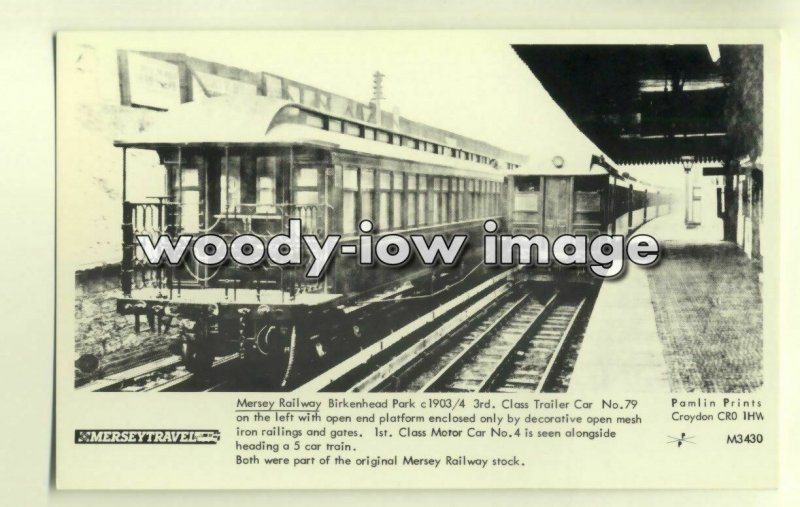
x=197 y=358
x=279 y=350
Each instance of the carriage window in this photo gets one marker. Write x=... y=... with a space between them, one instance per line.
x=306 y=177
x=315 y=120
x=266 y=168
x=472 y=203
x=397 y=200
x=367 y=193
x=350 y=179
x=350 y=188
x=478 y=199
x=526 y=201
x=188 y=194
x=351 y=129
x=230 y=183
x=382 y=136
x=396 y=140
x=436 y=190
x=457 y=211
x=460 y=201
x=411 y=204
x=334 y=125
x=385 y=181
x=409 y=143
x=411 y=209
x=305 y=184
x=447 y=203
x=422 y=199
x=266 y=191
x=369 y=133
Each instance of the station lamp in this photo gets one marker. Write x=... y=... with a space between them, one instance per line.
x=687 y=161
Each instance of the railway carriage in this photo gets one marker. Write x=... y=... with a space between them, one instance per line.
x=234 y=165
x=554 y=199
x=559 y=197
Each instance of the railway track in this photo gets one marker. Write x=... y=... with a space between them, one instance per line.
x=498 y=337
x=166 y=374
x=509 y=344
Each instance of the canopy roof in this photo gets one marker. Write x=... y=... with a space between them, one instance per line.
x=641 y=104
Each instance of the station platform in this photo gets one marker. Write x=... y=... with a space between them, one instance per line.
x=692 y=322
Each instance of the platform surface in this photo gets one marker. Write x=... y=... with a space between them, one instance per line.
x=621 y=350
x=690 y=323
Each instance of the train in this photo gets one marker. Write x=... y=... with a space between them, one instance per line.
x=556 y=197
x=247 y=165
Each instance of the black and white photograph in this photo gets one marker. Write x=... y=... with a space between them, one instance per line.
x=416 y=259
x=540 y=218
x=422 y=252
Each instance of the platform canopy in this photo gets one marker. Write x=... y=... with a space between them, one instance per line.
x=652 y=104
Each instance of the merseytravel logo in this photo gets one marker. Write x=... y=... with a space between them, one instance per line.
x=146 y=436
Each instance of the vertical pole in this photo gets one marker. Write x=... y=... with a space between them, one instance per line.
x=740 y=207
x=645 y=206
x=227 y=189
x=688 y=198
x=180 y=207
x=630 y=208
x=202 y=180
x=292 y=275
x=126 y=278
x=124 y=174
x=658 y=202
x=126 y=274
x=404 y=192
x=731 y=205
x=325 y=174
x=756 y=203
x=613 y=217
x=179 y=170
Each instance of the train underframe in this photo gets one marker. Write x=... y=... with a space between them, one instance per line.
x=272 y=339
x=281 y=345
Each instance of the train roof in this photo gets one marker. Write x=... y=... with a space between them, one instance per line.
x=567 y=165
x=211 y=79
x=219 y=120
x=586 y=165
x=241 y=120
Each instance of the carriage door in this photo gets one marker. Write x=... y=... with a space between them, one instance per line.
x=556 y=206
